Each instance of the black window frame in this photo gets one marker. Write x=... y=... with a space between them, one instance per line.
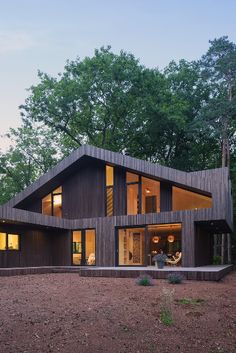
x=111 y=187
x=19 y=241
x=52 y=194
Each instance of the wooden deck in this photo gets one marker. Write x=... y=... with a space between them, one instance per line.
x=203 y=273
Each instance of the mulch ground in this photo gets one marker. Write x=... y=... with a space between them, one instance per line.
x=70 y=314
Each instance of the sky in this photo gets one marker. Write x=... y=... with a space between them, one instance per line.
x=43 y=34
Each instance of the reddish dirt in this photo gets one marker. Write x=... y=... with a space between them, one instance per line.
x=67 y=313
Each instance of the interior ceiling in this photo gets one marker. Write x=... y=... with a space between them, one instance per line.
x=165 y=228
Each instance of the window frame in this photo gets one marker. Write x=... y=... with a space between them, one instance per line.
x=19 y=241
x=52 y=194
x=109 y=187
x=83 y=246
x=139 y=183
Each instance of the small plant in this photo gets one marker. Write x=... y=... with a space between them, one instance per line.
x=144 y=280
x=166 y=316
x=175 y=278
x=188 y=301
x=160 y=259
x=216 y=260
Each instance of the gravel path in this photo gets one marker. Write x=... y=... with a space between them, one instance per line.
x=67 y=313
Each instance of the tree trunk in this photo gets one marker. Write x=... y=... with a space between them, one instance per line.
x=223 y=249
x=226 y=163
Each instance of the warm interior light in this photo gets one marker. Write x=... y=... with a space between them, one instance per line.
x=148 y=191
x=57 y=200
x=155 y=239
x=171 y=238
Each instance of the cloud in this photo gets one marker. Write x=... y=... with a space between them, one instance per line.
x=14 y=41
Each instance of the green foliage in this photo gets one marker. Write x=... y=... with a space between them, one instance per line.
x=188 y=301
x=216 y=260
x=144 y=280
x=175 y=278
x=183 y=117
x=166 y=317
x=32 y=153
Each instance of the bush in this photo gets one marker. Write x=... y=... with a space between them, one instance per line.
x=144 y=280
x=216 y=260
x=175 y=278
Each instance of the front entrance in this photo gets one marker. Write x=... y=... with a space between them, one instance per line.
x=83 y=247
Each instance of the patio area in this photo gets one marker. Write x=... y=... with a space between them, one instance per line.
x=203 y=273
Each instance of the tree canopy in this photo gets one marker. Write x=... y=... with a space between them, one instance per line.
x=183 y=116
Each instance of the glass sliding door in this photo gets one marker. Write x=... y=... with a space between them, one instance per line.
x=131 y=247
x=83 y=247
x=90 y=247
x=77 y=247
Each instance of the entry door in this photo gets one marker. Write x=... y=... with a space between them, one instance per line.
x=83 y=247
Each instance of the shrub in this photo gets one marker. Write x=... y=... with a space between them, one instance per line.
x=216 y=260
x=144 y=280
x=175 y=278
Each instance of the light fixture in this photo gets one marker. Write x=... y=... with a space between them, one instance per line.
x=171 y=238
x=156 y=239
x=148 y=191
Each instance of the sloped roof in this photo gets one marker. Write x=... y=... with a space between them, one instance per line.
x=196 y=180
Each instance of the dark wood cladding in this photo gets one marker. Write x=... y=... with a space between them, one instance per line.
x=82 y=176
x=199 y=275
x=84 y=191
x=34 y=205
x=119 y=191
x=37 y=248
x=165 y=196
x=203 y=246
x=53 y=178
x=17 y=216
x=203 y=274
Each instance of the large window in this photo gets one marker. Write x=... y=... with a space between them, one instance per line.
x=131 y=247
x=187 y=200
x=109 y=190
x=150 y=195
x=143 y=194
x=83 y=245
x=9 y=241
x=52 y=203
x=166 y=238
x=132 y=185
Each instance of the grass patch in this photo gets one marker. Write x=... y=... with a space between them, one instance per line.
x=190 y=301
x=166 y=317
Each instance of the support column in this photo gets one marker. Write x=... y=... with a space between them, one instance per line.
x=188 y=242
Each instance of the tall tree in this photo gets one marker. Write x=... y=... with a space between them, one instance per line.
x=99 y=100
x=33 y=151
x=219 y=69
